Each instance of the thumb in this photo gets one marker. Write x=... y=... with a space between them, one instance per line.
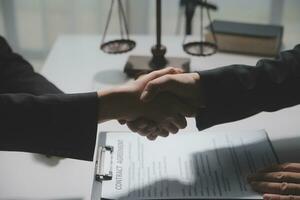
x=148 y=95
x=156 y=86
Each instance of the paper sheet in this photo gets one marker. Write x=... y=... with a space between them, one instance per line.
x=193 y=165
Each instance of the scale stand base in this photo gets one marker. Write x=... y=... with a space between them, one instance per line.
x=138 y=65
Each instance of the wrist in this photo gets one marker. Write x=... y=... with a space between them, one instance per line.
x=115 y=103
x=107 y=106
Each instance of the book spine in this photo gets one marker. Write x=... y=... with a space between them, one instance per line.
x=246 y=44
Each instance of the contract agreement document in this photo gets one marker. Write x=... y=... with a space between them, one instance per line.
x=203 y=165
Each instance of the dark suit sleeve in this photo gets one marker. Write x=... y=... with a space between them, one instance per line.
x=238 y=91
x=37 y=117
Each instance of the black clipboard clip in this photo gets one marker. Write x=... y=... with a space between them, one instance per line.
x=104 y=173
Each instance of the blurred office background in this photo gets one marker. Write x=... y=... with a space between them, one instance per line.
x=32 y=26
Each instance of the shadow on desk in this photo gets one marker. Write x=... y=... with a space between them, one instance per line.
x=50 y=161
x=288 y=150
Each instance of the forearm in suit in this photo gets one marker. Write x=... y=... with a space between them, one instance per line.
x=56 y=124
x=37 y=117
x=238 y=91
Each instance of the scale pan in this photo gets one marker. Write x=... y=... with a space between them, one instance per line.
x=118 y=46
x=200 y=48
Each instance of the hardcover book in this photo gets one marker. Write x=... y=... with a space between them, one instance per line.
x=247 y=38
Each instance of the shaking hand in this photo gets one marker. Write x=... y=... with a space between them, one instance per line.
x=164 y=114
x=185 y=87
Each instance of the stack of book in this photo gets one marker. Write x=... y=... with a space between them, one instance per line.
x=258 y=39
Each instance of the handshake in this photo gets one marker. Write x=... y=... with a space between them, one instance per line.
x=155 y=104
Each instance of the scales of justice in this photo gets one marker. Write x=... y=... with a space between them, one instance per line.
x=137 y=65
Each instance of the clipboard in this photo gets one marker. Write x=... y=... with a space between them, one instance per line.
x=103 y=166
x=106 y=155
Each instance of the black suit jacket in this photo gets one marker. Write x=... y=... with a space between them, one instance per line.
x=35 y=116
x=239 y=91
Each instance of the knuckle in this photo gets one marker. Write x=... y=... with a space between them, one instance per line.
x=165 y=135
x=175 y=131
x=285 y=166
x=171 y=128
x=187 y=111
x=284 y=188
x=150 y=130
x=190 y=113
x=161 y=134
x=142 y=133
x=154 y=137
x=171 y=70
x=146 y=131
x=172 y=131
x=133 y=129
x=151 y=137
x=280 y=176
x=182 y=122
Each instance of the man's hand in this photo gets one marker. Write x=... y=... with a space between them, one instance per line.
x=278 y=182
x=165 y=113
x=185 y=87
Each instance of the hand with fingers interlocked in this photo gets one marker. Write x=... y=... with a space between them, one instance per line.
x=163 y=114
x=184 y=87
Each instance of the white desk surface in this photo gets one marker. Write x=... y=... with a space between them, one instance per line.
x=76 y=64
